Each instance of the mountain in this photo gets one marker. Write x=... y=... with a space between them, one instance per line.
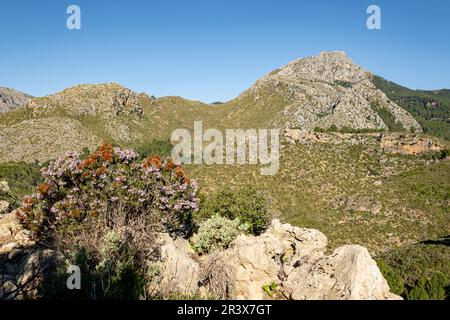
x=430 y=108
x=77 y=117
x=11 y=99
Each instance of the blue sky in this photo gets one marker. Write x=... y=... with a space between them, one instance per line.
x=212 y=50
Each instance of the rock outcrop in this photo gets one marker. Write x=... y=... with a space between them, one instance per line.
x=177 y=271
x=391 y=142
x=409 y=144
x=4 y=186
x=4 y=190
x=11 y=99
x=4 y=206
x=291 y=261
x=349 y=273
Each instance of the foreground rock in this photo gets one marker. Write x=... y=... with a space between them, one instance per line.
x=288 y=259
x=4 y=205
x=4 y=189
x=4 y=186
x=176 y=272
x=22 y=264
x=285 y=262
x=347 y=274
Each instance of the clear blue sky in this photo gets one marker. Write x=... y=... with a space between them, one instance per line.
x=214 y=49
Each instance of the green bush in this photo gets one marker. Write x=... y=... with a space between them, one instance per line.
x=246 y=204
x=153 y=148
x=217 y=233
x=423 y=268
x=388 y=118
x=22 y=179
x=270 y=289
x=319 y=129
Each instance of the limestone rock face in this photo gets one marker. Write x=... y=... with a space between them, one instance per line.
x=294 y=260
x=298 y=242
x=347 y=274
x=176 y=272
x=11 y=99
x=410 y=144
x=241 y=271
x=391 y=142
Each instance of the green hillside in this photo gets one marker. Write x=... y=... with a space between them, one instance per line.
x=430 y=108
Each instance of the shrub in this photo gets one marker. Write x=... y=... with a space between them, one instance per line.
x=388 y=118
x=417 y=265
x=246 y=204
x=270 y=288
x=319 y=129
x=332 y=128
x=217 y=233
x=443 y=154
x=154 y=147
x=393 y=278
x=103 y=214
x=75 y=192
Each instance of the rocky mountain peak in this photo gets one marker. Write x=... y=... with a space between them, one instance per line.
x=103 y=99
x=327 y=91
x=330 y=67
x=11 y=99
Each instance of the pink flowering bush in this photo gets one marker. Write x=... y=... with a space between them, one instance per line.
x=76 y=192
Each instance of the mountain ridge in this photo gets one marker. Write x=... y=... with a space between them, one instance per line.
x=318 y=92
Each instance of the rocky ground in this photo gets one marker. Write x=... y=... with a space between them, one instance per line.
x=285 y=262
